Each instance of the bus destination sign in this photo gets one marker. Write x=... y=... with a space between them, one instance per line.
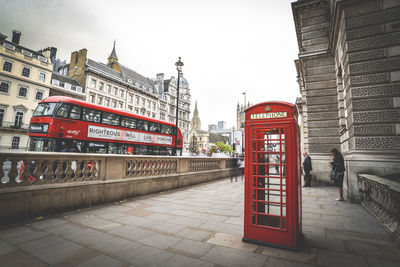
x=122 y=135
x=270 y=115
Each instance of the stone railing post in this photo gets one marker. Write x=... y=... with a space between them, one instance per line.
x=222 y=163
x=183 y=165
x=115 y=168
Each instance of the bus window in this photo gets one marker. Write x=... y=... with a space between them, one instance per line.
x=110 y=118
x=63 y=110
x=128 y=122
x=143 y=125
x=153 y=150
x=96 y=147
x=166 y=129
x=133 y=124
x=75 y=113
x=44 y=109
x=154 y=127
x=38 y=144
x=77 y=146
x=140 y=150
x=91 y=115
x=115 y=148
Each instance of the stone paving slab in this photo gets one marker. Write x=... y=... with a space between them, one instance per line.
x=196 y=226
x=116 y=246
x=191 y=248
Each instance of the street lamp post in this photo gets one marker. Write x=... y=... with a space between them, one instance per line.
x=179 y=65
x=242 y=138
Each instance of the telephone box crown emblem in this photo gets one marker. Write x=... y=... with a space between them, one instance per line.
x=268 y=108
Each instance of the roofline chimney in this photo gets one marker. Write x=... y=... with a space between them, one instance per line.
x=16 y=36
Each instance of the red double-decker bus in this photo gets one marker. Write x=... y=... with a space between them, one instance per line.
x=69 y=125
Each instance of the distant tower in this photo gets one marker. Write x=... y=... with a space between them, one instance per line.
x=196 y=124
x=238 y=116
x=113 y=60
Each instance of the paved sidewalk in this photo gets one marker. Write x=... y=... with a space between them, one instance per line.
x=196 y=226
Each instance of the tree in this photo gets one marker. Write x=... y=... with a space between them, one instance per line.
x=222 y=147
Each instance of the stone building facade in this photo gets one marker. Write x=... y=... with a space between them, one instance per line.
x=349 y=78
x=113 y=84
x=167 y=92
x=65 y=86
x=25 y=76
x=201 y=141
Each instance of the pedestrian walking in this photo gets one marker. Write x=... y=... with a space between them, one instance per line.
x=307 y=167
x=338 y=171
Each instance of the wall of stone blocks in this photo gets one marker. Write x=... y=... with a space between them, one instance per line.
x=320 y=117
x=350 y=74
x=371 y=58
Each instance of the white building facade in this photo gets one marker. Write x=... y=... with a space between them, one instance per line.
x=25 y=77
x=167 y=93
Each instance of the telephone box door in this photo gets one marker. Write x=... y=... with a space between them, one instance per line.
x=271 y=183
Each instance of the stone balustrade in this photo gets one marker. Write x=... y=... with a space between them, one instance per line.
x=44 y=168
x=381 y=197
x=38 y=183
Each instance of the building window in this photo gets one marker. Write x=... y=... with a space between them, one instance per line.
x=114 y=104
x=101 y=86
x=99 y=100
x=121 y=93
x=19 y=115
x=23 y=91
x=130 y=99
x=26 y=71
x=39 y=95
x=115 y=91
x=91 y=99
x=7 y=66
x=2 y=115
x=107 y=102
x=109 y=89
x=42 y=76
x=120 y=105
x=143 y=102
x=130 y=108
x=154 y=105
x=4 y=87
x=137 y=100
x=15 y=142
x=93 y=83
x=148 y=103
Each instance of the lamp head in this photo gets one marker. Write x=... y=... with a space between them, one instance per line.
x=179 y=65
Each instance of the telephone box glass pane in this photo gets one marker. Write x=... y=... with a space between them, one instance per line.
x=269 y=181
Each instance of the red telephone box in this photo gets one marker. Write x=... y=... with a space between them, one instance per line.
x=272 y=213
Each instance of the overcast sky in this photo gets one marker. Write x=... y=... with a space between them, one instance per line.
x=228 y=46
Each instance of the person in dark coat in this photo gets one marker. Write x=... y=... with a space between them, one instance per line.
x=307 y=167
x=338 y=171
